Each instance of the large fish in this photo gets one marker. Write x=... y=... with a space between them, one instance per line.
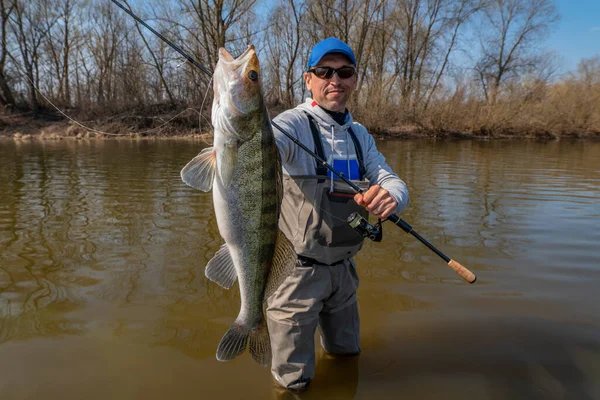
x=243 y=169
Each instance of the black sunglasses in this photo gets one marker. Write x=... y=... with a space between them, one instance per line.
x=327 y=72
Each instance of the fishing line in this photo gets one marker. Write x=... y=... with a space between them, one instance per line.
x=167 y=41
x=399 y=222
x=331 y=215
x=97 y=131
x=202 y=106
x=59 y=110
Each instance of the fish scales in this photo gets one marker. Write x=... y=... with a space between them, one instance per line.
x=251 y=198
x=244 y=171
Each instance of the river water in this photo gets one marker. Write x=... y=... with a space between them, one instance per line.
x=102 y=291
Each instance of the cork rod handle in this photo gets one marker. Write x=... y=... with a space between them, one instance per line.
x=462 y=271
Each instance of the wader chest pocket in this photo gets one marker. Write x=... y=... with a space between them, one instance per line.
x=332 y=229
x=338 y=197
x=315 y=220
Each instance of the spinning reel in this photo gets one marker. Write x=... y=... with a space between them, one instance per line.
x=364 y=228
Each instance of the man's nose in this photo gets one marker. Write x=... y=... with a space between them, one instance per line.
x=335 y=79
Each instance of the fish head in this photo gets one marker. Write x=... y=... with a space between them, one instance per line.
x=237 y=92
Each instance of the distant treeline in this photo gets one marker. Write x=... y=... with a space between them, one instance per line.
x=434 y=66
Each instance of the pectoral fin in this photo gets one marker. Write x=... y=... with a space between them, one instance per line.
x=228 y=162
x=284 y=262
x=220 y=269
x=199 y=173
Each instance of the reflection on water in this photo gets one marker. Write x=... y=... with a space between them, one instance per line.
x=102 y=250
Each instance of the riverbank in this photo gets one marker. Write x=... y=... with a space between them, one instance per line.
x=169 y=125
x=152 y=121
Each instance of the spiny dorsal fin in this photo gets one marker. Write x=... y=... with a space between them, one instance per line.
x=220 y=268
x=284 y=262
x=199 y=173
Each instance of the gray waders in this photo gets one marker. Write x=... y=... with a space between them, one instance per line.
x=321 y=291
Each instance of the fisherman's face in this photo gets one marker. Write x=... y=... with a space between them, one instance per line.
x=332 y=93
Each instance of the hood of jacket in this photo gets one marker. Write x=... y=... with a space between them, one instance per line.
x=323 y=118
x=337 y=142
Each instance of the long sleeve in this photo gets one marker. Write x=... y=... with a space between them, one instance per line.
x=379 y=172
x=291 y=123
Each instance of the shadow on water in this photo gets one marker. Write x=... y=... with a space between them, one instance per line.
x=335 y=378
x=508 y=358
x=494 y=359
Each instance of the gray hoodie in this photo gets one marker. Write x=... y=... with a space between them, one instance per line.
x=336 y=143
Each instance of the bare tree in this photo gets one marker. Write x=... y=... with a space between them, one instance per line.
x=91 y=56
x=31 y=24
x=588 y=72
x=507 y=45
x=583 y=104
x=461 y=11
x=157 y=63
x=423 y=27
x=284 y=43
x=60 y=42
x=6 y=97
x=103 y=42
x=214 y=22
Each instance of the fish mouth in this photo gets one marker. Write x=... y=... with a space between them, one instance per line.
x=224 y=55
x=234 y=63
x=236 y=82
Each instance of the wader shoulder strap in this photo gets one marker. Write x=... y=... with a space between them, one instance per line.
x=359 y=153
x=321 y=169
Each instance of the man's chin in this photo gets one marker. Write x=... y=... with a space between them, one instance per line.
x=335 y=105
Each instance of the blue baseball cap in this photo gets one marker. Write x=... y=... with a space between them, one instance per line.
x=327 y=46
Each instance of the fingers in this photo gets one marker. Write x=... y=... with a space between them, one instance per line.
x=377 y=201
x=370 y=194
x=358 y=198
x=384 y=208
x=365 y=198
x=388 y=210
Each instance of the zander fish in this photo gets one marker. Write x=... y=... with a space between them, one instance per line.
x=243 y=169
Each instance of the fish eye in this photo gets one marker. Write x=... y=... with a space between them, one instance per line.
x=253 y=75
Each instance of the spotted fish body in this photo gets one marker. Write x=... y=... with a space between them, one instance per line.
x=244 y=171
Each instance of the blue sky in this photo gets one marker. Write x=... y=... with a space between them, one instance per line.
x=577 y=34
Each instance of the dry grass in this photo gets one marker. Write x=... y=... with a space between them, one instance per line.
x=570 y=108
x=566 y=109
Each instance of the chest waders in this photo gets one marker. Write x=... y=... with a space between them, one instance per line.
x=399 y=222
x=314 y=218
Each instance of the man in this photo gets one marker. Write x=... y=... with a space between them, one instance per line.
x=321 y=292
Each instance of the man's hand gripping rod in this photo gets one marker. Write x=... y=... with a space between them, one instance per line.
x=460 y=270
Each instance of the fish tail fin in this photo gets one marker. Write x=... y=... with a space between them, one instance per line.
x=233 y=342
x=260 y=344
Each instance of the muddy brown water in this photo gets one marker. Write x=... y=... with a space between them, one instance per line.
x=102 y=292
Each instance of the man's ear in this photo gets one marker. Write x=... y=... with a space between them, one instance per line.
x=308 y=80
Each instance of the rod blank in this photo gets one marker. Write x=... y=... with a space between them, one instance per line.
x=460 y=270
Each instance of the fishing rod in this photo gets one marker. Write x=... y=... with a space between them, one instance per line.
x=355 y=220
x=164 y=39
